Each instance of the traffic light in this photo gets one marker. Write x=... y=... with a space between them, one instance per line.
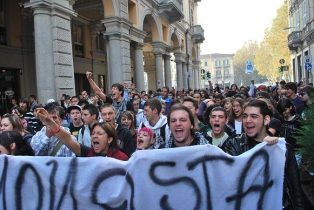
x=280 y=69
x=208 y=74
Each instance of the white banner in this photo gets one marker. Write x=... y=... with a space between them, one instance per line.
x=199 y=177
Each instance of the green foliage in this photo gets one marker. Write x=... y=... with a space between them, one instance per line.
x=244 y=54
x=274 y=47
x=305 y=137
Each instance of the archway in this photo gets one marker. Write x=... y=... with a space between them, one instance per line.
x=151 y=29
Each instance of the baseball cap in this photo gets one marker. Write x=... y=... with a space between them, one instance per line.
x=70 y=108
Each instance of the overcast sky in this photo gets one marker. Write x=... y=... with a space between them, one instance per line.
x=228 y=24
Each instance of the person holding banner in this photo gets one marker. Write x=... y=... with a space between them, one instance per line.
x=256 y=117
x=104 y=138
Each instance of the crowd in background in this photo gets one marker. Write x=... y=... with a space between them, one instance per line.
x=118 y=123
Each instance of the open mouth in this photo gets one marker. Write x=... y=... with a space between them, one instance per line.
x=216 y=126
x=250 y=128
x=96 y=146
x=179 y=132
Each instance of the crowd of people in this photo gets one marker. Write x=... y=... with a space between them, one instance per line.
x=115 y=125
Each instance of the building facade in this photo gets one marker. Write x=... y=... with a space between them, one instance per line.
x=218 y=68
x=301 y=38
x=46 y=46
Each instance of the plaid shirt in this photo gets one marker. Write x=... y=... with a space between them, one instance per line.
x=43 y=145
x=199 y=139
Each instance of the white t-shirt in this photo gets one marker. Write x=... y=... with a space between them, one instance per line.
x=238 y=126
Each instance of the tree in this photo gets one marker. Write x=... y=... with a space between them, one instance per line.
x=274 y=47
x=247 y=52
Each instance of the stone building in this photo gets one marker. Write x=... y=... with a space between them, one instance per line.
x=220 y=67
x=301 y=38
x=46 y=46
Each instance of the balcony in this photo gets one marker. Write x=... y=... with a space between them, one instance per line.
x=309 y=31
x=197 y=34
x=172 y=9
x=294 y=40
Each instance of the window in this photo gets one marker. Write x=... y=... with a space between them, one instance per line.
x=226 y=62
x=77 y=37
x=305 y=13
x=218 y=73
x=100 y=43
x=217 y=63
x=226 y=72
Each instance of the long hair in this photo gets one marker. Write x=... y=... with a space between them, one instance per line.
x=129 y=115
x=241 y=102
x=16 y=123
x=22 y=147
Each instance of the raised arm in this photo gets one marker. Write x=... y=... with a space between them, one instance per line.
x=94 y=86
x=55 y=130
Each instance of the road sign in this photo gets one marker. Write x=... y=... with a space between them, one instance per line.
x=307 y=59
x=249 y=67
x=308 y=66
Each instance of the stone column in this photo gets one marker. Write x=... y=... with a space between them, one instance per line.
x=167 y=70
x=159 y=70
x=115 y=60
x=179 y=75
x=139 y=67
x=53 y=48
x=119 y=57
x=196 y=79
x=191 y=78
x=179 y=59
x=159 y=48
x=185 y=76
x=197 y=74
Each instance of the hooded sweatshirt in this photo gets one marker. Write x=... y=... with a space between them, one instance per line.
x=160 y=129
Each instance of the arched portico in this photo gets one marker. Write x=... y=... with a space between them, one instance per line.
x=152 y=59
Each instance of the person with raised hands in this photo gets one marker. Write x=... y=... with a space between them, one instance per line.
x=44 y=142
x=104 y=138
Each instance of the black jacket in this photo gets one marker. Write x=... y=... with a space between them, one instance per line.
x=125 y=140
x=292 y=195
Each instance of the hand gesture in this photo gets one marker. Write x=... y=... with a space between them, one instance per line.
x=51 y=126
x=89 y=75
x=271 y=140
